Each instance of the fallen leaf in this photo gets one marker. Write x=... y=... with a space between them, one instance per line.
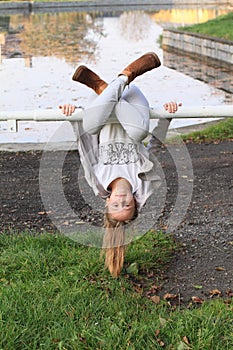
x=44 y=212
x=219 y=268
x=152 y=290
x=154 y=287
x=215 y=292
x=185 y=339
x=197 y=300
x=138 y=288
x=229 y=293
x=160 y=342
x=155 y=299
x=170 y=296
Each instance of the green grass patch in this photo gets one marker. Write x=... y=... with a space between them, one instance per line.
x=223 y=130
x=221 y=27
x=55 y=294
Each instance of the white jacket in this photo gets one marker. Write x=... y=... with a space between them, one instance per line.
x=88 y=146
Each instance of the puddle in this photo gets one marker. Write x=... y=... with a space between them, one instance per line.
x=38 y=74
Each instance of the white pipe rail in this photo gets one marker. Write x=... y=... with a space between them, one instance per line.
x=155 y=113
x=13 y=117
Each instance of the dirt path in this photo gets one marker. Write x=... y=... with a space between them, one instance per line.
x=203 y=265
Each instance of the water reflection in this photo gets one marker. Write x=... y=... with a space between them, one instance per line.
x=40 y=51
x=53 y=43
x=64 y=35
x=139 y=20
x=187 y=16
x=213 y=72
x=69 y=35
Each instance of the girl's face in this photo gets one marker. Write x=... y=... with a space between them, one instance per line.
x=121 y=205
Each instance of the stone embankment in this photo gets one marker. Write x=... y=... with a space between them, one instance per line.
x=198 y=44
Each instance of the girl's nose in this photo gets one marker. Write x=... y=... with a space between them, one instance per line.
x=122 y=202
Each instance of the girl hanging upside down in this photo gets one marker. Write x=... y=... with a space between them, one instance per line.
x=117 y=165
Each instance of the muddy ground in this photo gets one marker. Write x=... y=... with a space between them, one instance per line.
x=202 y=268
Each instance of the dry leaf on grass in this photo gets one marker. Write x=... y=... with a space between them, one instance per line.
x=229 y=293
x=185 y=339
x=155 y=299
x=169 y=296
x=160 y=342
x=215 y=292
x=197 y=300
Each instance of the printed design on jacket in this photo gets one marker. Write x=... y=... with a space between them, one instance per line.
x=119 y=153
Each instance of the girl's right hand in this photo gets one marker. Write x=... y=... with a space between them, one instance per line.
x=67 y=109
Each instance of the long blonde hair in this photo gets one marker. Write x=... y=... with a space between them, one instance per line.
x=114 y=243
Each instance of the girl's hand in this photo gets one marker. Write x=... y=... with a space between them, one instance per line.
x=171 y=107
x=67 y=109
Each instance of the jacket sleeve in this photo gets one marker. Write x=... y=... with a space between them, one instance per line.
x=158 y=136
x=88 y=147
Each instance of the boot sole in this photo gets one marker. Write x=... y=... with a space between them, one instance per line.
x=157 y=60
x=78 y=72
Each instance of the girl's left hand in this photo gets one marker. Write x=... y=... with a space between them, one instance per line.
x=172 y=107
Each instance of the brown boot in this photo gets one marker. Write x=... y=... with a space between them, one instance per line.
x=143 y=64
x=87 y=77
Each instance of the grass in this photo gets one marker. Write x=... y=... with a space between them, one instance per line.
x=223 y=130
x=221 y=27
x=55 y=294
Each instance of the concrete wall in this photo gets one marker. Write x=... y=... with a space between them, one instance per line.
x=197 y=44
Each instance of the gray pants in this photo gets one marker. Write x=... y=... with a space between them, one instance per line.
x=119 y=103
x=126 y=105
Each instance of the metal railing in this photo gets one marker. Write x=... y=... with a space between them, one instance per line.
x=13 y=117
